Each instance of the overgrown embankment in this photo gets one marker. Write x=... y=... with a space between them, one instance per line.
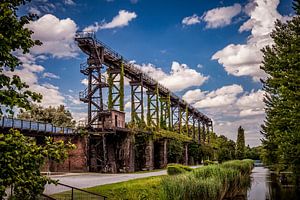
x=209 y=182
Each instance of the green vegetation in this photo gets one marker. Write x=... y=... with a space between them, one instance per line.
x=20 y=157
x=20 y=162
x=58 y=116
x=171 y=135
x=14 y=36
x=282 y=99
x=145 y=188
x=240 y=144
x=174 y=169
x=207 y=183
x=210 y=182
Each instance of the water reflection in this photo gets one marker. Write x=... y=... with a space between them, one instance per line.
x=266 y=187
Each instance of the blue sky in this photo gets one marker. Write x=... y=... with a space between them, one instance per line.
x=206 y=51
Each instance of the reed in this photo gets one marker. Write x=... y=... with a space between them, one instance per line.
x=211 y=182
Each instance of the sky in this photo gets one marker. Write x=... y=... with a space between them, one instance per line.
x=207 y=52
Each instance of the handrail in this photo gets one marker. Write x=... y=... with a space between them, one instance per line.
x=6 y=122
x=85 y=191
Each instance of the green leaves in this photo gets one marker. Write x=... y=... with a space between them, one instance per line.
x=282 y=64
x=13 y=37
x=20 y=162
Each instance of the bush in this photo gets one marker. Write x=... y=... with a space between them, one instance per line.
x=208 y=162
x=174 y=169
x=244 y=166
x=209 y=182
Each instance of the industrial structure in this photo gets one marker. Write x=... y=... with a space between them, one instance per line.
x=108 y=144
x=165 y=110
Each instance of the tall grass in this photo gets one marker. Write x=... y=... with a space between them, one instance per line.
x=174 y=169
x=209 y=182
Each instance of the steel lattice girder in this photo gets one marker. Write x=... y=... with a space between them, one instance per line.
x=137 y=102
x=116 y=88
x=153 y=108
x=165 y=109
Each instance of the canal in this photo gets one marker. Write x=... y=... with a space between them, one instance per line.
x=265 y=187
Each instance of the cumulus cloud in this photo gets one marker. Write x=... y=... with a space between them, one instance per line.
x=230 y=106
x=194 y=19
x=220 y=17
x=122 y=19
x=179 y=78
x=223 y=96
x=245 y=59
x=28 y=72
x=56 y=35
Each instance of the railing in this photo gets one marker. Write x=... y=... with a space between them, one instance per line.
x=63 y=191
x=133 y=69
x=29 y=125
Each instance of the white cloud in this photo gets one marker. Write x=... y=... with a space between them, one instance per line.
x=73 y=100
x=230 y=107
x=121 y=20
x=50 y=75
x=56 y=35
x=223 y=96
x=28 y=72
x=220 y=17
x=245 y=59
x=194 y=19
x=179 y=78
x=85 y=82
x=193 y=96
x=69 y=2
x=128 y=105
x=34 y=10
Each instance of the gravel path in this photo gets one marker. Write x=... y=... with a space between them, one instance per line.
x=86 y=180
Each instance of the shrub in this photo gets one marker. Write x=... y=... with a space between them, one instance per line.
x=174 y=169
x=244 y=166
x=208 y=162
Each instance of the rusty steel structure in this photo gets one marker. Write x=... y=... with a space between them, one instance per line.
x=165 y=110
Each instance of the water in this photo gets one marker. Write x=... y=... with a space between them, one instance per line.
x=264 y=187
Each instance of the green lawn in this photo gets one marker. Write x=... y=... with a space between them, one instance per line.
x=144 y=188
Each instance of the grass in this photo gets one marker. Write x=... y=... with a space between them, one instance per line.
x=212 y=182
x=174 y=169
x=145 y=188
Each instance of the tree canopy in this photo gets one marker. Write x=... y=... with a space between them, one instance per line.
x=58 y=116
x=281 y=62
x=240 y=144
x=20 y=162
x=14 y=37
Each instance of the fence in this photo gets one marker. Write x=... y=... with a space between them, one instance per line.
x=67 y=192
x=6 y=122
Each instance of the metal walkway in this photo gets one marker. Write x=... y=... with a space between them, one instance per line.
x=33 y=126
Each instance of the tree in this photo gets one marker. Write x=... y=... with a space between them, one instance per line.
x=281 y=62
x=58 y=116
x=20 y=162
x=240 y=144
x=14 y=36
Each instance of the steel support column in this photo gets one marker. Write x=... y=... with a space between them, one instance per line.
x=137 y=102
x=199 y=131
x=92 y=95
x=116 y=88
x=153 y=108
x=165 y=112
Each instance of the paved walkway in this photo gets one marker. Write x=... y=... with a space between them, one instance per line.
x=86 y=180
